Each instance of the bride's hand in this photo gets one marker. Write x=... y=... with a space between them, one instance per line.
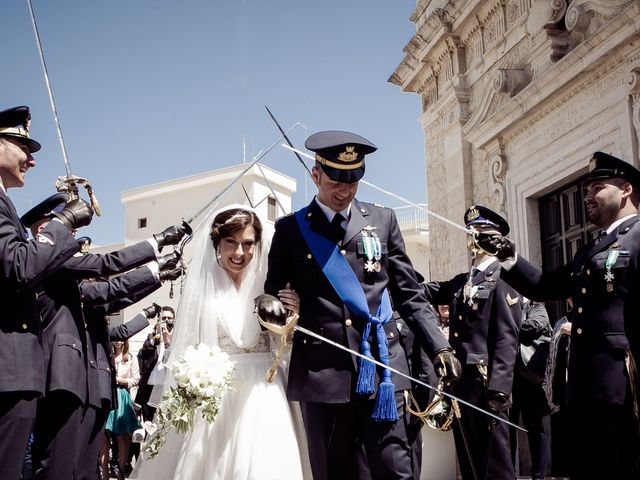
x=290 y=299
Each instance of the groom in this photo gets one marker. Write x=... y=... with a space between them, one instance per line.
x=346 y=259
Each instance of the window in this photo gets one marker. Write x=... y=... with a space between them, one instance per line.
x=142 y=222
x=271 y=209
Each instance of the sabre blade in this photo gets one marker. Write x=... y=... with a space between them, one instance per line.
x=47 y=82
x=397 y=372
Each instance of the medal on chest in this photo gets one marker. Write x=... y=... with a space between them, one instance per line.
x=608 y=276
x=469 y=292
x=372 y=250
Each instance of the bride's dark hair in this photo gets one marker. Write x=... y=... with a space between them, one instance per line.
x=234 y=220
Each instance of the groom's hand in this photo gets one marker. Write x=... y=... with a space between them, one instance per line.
x=270 y=309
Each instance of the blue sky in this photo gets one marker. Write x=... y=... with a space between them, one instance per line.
x=150 y=90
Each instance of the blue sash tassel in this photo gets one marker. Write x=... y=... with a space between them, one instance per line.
x=348 y=288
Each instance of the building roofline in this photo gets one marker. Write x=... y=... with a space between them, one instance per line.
x=227 y=174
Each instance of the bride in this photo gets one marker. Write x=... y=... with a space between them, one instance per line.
x=254 y=434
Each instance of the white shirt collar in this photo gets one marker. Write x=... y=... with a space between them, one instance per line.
x=484 y=264
x=617 y=223
x=332 y=213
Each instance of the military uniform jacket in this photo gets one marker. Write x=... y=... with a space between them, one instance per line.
x=483 y=331
x=605 y=320
x=322 y=373
x=23 y=265
x=102 y=298
x=71 y=364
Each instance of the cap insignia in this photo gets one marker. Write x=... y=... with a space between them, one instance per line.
x=472 y=214
x=592 y=165
x=349 y=155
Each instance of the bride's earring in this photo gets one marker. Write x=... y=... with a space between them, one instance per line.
x=218 y=255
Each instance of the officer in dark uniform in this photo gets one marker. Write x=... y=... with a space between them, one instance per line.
x=483 y=331
x=349 y=409
x=23 y=264
x=603 y=280
x=72 y=395
x=101 y=298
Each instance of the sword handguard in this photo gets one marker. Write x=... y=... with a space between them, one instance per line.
x=69 y=185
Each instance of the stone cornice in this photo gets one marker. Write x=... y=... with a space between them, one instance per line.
x=530 y=105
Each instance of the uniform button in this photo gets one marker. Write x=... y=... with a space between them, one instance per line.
x=578 y=331
x=391 y=334
x=588 y=272
x=480 y=362
x=90 y=362
x=24 y=326
x=304 y=340
x=348 y=322
x=455 y=334
x=343 y=252
x=453 y=351
x=309 y=256
x=459 y=317
x=579 y=309
x=73 y=345
x=584 y=290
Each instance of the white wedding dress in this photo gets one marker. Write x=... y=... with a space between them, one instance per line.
x=257 y=434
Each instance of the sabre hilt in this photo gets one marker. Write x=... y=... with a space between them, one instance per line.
x=69 y=185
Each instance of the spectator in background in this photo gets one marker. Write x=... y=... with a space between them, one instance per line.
x=443 y=320
x=122 y=421
x=156 y=347
x=528 y=396
x=555 y=385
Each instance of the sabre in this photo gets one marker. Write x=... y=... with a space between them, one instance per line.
x=397 y=372
x=68 y=184
x=255 y=160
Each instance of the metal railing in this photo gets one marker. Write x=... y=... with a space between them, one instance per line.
x=412 y=219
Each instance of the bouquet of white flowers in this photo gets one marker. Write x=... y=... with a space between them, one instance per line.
x=202 y=375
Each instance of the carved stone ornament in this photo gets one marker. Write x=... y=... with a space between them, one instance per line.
x=510 y=80
x=544 y=12
x=581 y=12
x=633 y=80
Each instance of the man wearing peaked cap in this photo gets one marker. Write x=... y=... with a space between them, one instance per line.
x=23 y=264
x=483 y=331
x=602 y=165
x=354 y=414
x=14 y=123
x=72 y=383
x=340 y=154
x=603 y=281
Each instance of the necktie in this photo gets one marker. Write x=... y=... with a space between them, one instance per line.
x=337 y=232
x=601 y=235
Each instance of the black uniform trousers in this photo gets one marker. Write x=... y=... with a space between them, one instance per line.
x=616 y=447
x=345 y=443
x=55 y=451
x=17 y=416
x=482 y=442
x=529 y=400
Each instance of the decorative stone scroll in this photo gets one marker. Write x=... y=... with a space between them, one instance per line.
x=633 y=80
x=585 y=16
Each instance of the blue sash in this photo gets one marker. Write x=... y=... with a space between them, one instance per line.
x=347 y=286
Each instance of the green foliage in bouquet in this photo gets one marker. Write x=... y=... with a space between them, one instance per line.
x=202 y=375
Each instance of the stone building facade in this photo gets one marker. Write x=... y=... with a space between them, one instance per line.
x=516 y=96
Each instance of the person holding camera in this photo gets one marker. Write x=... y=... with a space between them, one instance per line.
x=156 y=348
